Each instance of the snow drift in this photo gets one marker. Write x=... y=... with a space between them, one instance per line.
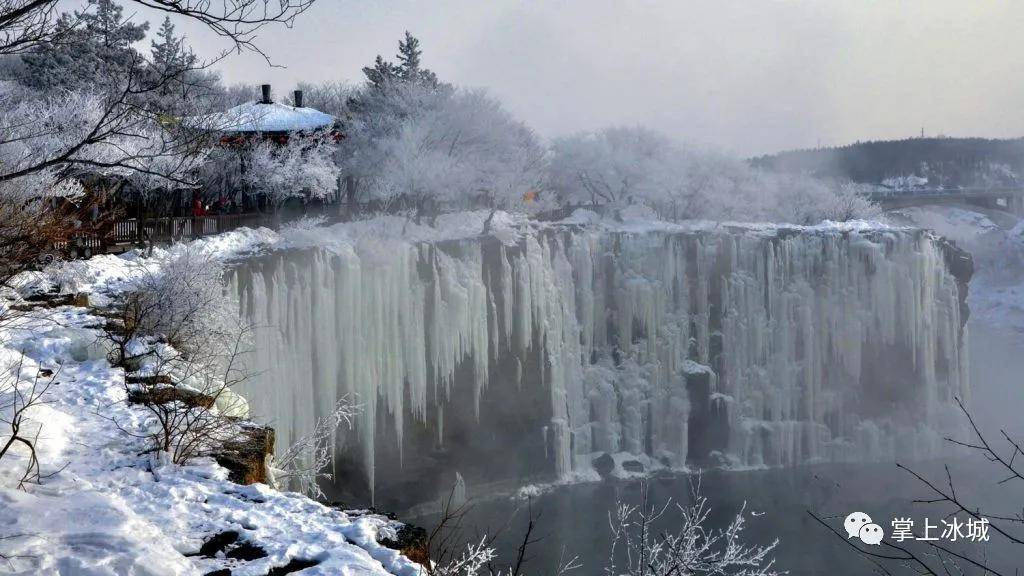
x=670 y=347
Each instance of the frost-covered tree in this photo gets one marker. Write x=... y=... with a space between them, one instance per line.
x=301 y=168
x=69 y=132
x=415 y=140
x=462 y=150
x=189 y=88
x=95 y=50
x=92 y=50
x=49 y=142
x=619 y=166
x=613 y=166
x=168 y=50
x=27 y=25
x=383 y=73
x=409 y=69
x=376 y=113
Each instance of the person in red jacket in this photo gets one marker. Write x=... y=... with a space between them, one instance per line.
x=198 y=211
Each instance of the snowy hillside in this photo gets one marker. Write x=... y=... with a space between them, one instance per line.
x=103 y=506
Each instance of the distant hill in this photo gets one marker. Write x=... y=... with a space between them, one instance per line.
x=911 y=163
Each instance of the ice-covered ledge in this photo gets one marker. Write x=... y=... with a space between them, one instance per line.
x=532 y=349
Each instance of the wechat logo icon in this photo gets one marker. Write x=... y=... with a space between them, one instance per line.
x=859 y=525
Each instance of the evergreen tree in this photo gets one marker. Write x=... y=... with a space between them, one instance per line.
x=381 y=73
x=173 y=72
x=409 y=58
x=408 y=69
x=169 y=51
x=96 y=50
x=108 y=26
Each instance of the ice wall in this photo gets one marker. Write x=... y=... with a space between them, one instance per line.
x=744 y=346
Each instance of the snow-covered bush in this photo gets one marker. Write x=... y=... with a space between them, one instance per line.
x=648 y=539
x=178 y=324
x=183 y=301
x=688 y=548
x=303 y=464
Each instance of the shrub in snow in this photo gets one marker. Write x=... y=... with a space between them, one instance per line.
x=641 y=545
x=303 y=464
x=23 y=388
x=690 y=547
x=177 y=323
x=183 y=301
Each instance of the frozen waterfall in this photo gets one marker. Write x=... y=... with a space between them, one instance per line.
x=736 y=345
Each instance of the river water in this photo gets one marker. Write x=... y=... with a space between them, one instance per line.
x=573 y=520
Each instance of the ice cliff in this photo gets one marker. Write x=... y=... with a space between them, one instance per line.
x=530 y=357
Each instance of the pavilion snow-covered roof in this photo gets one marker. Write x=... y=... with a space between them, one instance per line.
x=273 y=117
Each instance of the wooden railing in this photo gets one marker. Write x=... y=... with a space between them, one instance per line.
x=172 y=228
x=120 y=235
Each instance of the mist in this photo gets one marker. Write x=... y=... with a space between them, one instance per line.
x=745 y=78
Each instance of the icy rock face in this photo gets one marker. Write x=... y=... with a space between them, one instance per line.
x=506 y=362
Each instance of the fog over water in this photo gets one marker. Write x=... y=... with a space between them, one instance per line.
x=573 y=520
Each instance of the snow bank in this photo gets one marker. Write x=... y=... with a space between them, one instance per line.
x=104 y=508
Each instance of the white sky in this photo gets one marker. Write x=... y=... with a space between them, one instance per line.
x=746 y=77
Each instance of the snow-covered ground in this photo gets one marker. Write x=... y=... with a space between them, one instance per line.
x=102 y=507
x=105 y=507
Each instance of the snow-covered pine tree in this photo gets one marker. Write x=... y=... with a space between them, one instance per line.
x=169 y=52
x=381 y=74
x=408 y=70
x=409 y=57
x=182 y=86
x=96 y=50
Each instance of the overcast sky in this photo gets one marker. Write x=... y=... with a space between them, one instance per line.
x=745 y=77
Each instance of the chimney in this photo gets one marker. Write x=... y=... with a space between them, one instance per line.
x=266 y=94
x=297 y=100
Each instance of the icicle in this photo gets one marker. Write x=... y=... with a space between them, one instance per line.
x=784 y=331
